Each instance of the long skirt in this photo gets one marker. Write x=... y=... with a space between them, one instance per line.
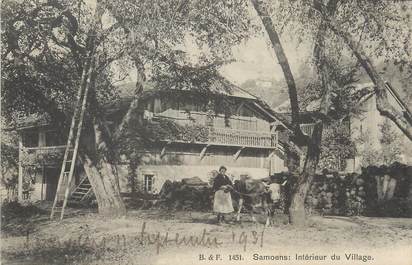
x=222 y=202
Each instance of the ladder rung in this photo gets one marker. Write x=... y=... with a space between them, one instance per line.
x=71 y=148
x=79 y=193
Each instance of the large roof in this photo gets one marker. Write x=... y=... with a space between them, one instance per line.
x=218 y=86
x=126 y=92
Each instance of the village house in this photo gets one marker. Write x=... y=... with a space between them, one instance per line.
x=228 y=126
x=366 y=123
x=369 y=121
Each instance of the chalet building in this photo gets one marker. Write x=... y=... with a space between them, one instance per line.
x=184 y=133
x=365 y=123
x=369 y=122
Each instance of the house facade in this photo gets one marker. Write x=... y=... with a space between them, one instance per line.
x=365 y=128
x=184 y=134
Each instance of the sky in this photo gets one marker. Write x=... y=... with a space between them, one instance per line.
x=255 y=59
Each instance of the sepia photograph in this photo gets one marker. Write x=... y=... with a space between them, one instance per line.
x=157 y=132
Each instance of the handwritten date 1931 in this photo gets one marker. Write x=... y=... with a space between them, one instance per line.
x=245 y=238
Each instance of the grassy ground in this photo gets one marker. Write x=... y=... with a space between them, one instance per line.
x=86 y=238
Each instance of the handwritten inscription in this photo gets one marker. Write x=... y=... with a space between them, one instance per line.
x=157 y=239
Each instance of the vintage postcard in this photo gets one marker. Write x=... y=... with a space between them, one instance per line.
x=206 y=132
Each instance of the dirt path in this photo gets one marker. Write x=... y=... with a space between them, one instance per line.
x=140 y=238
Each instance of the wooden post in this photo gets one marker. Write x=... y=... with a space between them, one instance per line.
x=42 y=182
x=235 y=156
x=20 y=179
x=203 y=152
x=163 y=152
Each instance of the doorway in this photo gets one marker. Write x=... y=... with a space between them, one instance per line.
x=51 y=178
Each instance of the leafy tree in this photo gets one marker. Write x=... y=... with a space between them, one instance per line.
x=383 y=23
x=53 y=48
x=336 y=147
x=331 y=26
x=389 y=150
x=390 y=143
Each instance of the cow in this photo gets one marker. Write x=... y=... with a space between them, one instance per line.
x=254 y=193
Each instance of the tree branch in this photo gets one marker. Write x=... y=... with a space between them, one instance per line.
x=141 y=79
x=382 y=103
x=283 y=61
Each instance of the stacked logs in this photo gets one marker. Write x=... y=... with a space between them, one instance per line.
x=390 y=190
x=377 y=191
x=187 y=194
x=337 y=194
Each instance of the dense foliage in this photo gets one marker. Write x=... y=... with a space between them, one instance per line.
x=336 y=147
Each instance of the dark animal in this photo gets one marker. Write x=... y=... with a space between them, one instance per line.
x=258 y=193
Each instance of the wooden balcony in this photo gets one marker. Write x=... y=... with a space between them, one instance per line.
x=248 y=131
x=45 y=155
x=234 y=121
x=233 y=137
x=307 y=128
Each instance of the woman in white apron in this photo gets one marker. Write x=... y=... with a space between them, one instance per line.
x=222 y=203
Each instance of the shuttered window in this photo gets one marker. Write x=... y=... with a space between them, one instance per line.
x=148 y=183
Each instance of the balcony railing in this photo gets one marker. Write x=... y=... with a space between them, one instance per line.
x=307 y=128
x=45 y=155
x=224 y=136
x=248 y=132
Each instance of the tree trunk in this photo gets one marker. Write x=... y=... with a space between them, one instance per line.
x=141 y=79
x=101 y=171
x=297 y=214
x=382 y=103
x=97 y=157
x=297 y=210
x=103 y=178
x=283 y=61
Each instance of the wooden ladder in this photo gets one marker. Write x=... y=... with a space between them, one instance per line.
x=70 y=154
x=81 y=192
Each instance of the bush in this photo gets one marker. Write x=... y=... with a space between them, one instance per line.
x=16 y=219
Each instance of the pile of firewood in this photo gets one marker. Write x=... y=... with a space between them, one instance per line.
x=187 y=194
x=337 y=194
x=378 y=191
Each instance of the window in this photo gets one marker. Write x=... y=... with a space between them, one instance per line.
x=54 y=138
x=148 y=183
